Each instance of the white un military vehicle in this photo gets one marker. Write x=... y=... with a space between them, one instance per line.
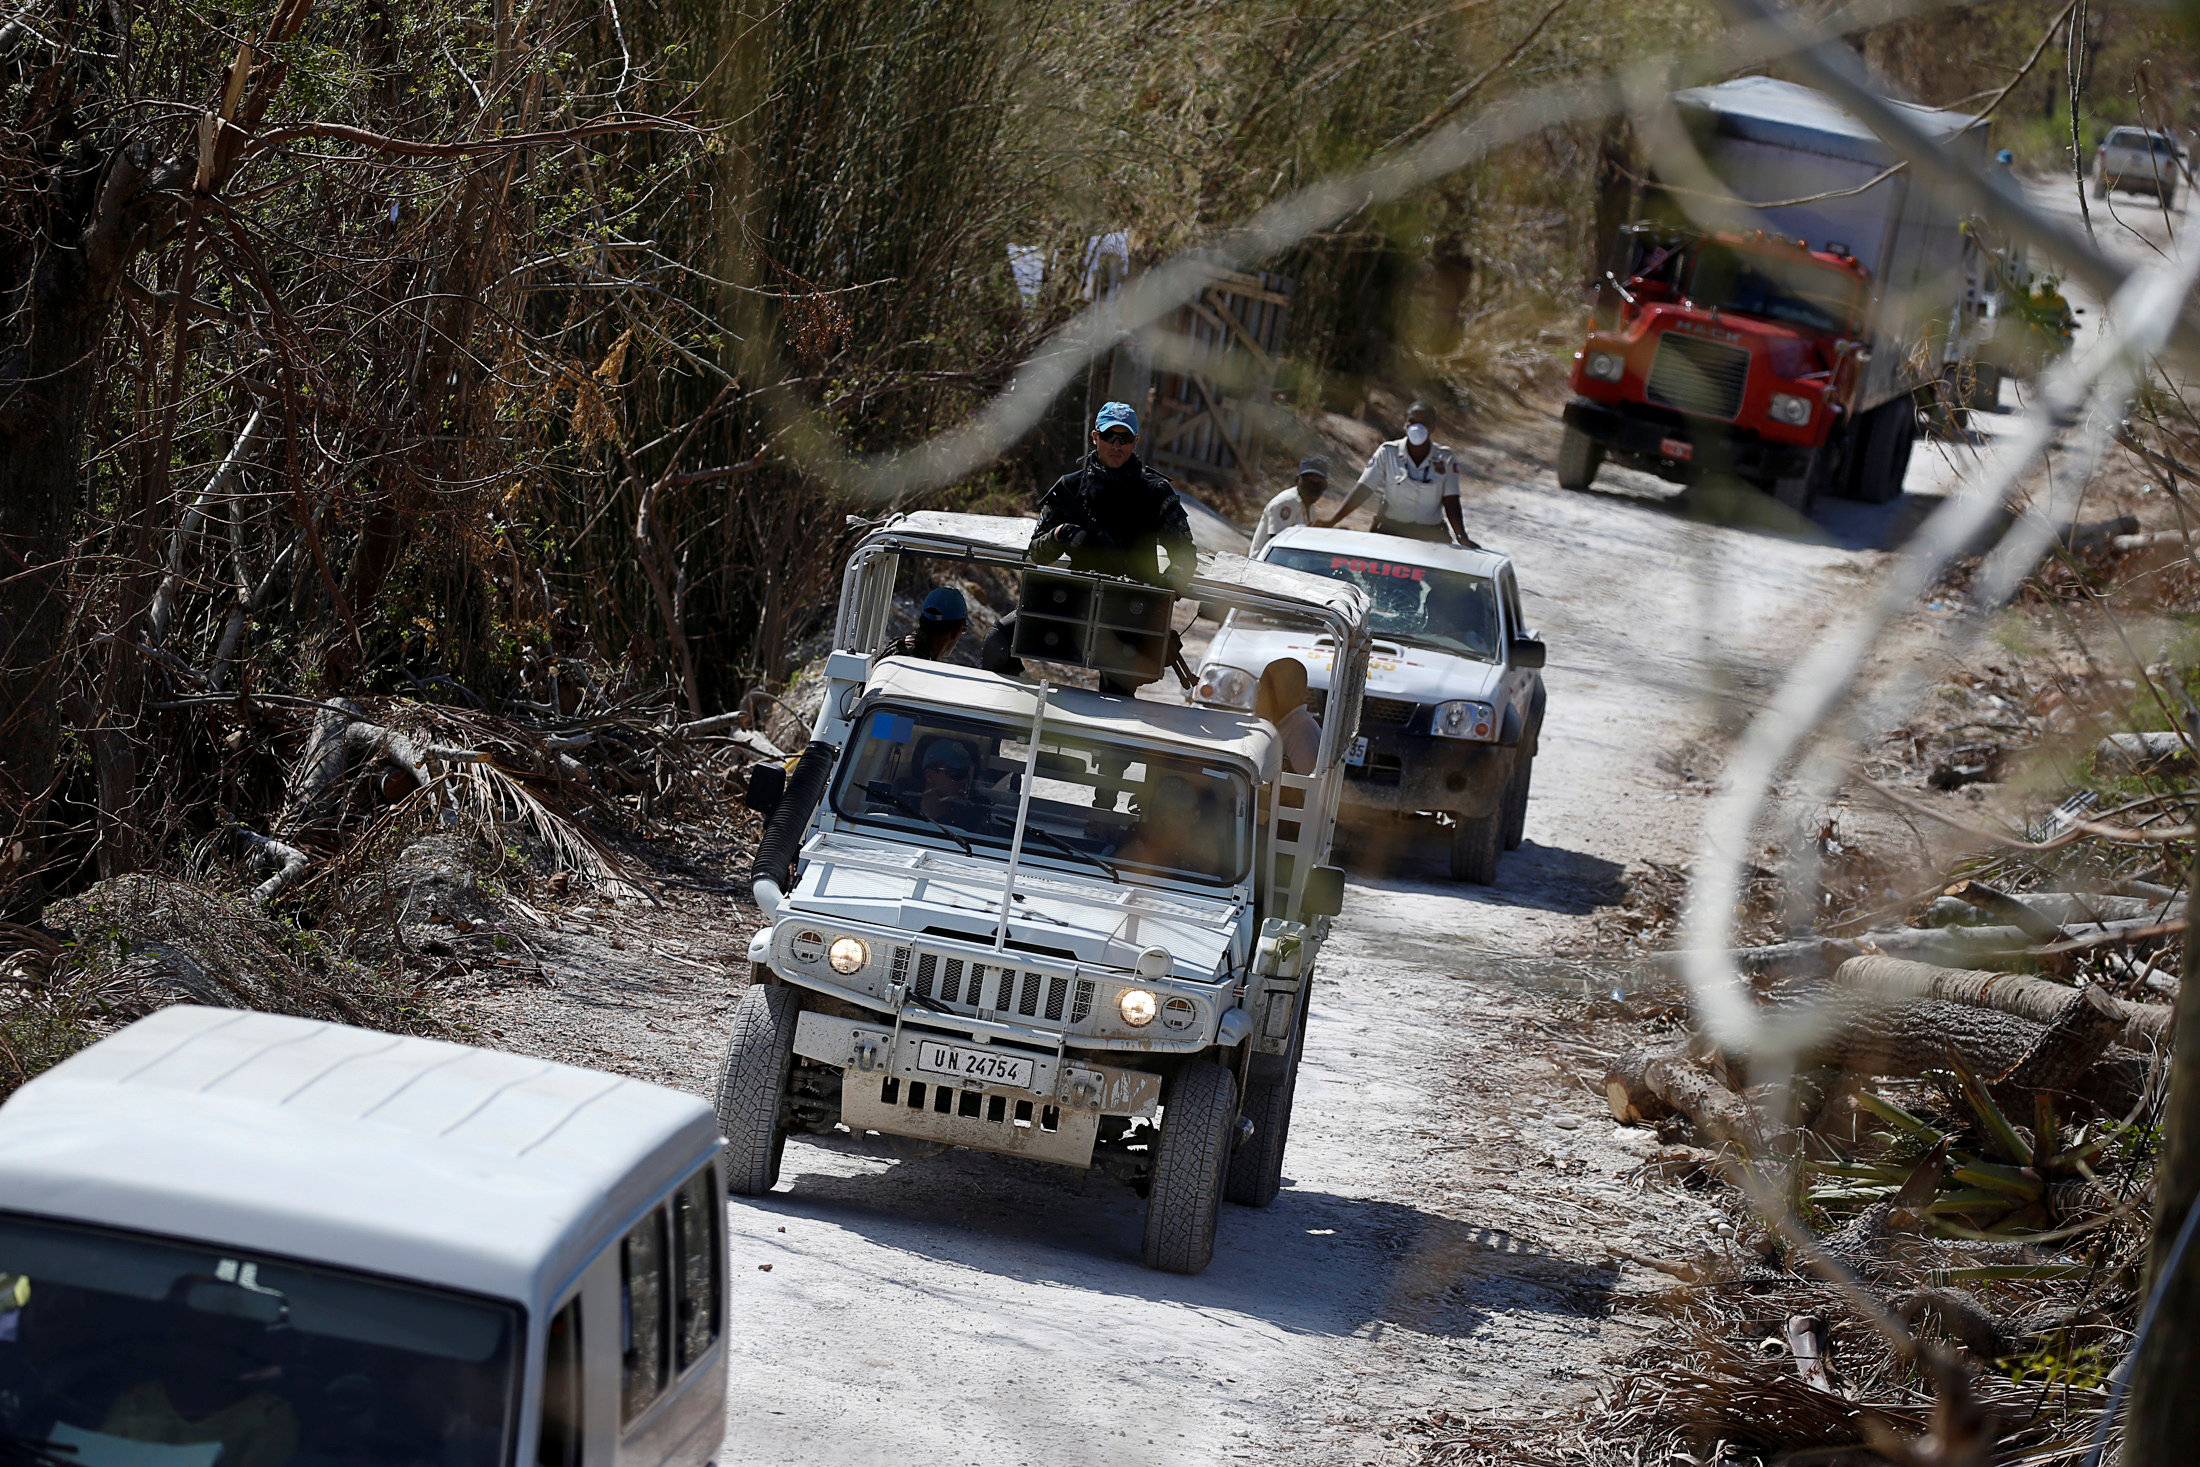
x=237 y=1238
x=1032 y=918
x=1453 y=701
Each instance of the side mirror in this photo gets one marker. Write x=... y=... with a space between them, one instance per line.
x=1324 y=896
x=1528 y=652
x=767 y=786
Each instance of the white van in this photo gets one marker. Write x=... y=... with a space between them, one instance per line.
x=242 y=1239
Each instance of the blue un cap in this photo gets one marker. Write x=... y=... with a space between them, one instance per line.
x=944 y=605
x=1115 y=415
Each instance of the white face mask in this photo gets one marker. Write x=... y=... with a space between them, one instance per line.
x=1416 y=434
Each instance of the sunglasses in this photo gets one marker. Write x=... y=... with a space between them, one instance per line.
x=1118 y=435
x=952 y=771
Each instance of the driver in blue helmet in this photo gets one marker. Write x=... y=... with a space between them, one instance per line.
x=940 y=625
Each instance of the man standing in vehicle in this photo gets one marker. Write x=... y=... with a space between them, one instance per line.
x=1113 y=514
x=1415 y=482
x=1295 y=505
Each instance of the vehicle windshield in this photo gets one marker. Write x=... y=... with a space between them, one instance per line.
x=1113 y=807
x=2142 y=142
x=120 y=1348
x=1420 y=605
x=1776 y=287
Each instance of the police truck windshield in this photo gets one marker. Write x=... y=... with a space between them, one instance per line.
x=1800 y=292
x=1420 y=605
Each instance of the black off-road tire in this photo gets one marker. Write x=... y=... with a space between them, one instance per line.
x=1198 y=1115
x=752 y=1085
x=1256 y=1166
x=1883 y=452
x=1579 y=458
x=1516 y=795
x=1475 y=840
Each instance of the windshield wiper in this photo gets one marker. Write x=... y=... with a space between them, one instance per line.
x=1062 y=845
x=880 y=790
x=33 y=1451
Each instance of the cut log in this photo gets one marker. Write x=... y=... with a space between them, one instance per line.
x=2036 y=999
x=2066 y=1050
x=1627 y=1088
x=1717 y=1113
x=2059 y=907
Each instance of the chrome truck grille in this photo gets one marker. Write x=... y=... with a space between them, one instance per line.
x=1699 y=376
x=1001 y=988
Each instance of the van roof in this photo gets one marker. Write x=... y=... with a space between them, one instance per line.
x=1363 y=545
x=1098 y=716
x=413 y=1158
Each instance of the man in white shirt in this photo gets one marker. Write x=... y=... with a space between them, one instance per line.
x=1295 y=505
x=1416 y=485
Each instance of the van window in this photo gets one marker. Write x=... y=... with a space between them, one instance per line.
x=643 y=1316
x=696 y=1215
x=561 y=1434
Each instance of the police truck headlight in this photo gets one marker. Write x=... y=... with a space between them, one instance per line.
x=1226 y=687
x=1788 y=408
x=848 y=954
x=1137 y=1006
x=1605 y=366
x=1463 y=719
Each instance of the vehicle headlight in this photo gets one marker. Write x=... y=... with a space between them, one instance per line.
x=1463 y=719
x=1225 y=686
x=1605 y=366
x=1137 y=1006
x=848 y=954
x=1788 y=408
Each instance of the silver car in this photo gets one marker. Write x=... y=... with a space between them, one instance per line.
x=2139 y=161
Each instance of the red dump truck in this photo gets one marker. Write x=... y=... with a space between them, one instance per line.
x=1791 y=352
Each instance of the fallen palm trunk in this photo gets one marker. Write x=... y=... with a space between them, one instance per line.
x=1814 y=957
x=2131 y=752
x=2059 y=908
x=2036 y=999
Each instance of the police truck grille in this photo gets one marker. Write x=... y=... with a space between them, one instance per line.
x=1386 y=712
x=1699 y=376
x=969 y=987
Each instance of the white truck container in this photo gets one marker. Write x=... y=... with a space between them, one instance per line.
x=1770 y=141
x=255 y=1241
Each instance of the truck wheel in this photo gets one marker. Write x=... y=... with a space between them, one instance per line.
x=1579 y=458
x=2100 y=185
x=1474 y=843
x=1883 y=452
x=1516 y=795
x=751 y=1085
x=1197 y=1116
x=1256 y=1166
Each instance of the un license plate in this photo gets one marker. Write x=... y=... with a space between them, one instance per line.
x=1357 y=757
x=975 y=1065
x=1677 y=448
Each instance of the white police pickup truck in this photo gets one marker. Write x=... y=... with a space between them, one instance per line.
x=1009 y=914
x=259 y=1241
x=1453 y=704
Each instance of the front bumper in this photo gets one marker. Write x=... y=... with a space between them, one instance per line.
x=1408 y=772
x=1054 y=1118
x=1640 y=436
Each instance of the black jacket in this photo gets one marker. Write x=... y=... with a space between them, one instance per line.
x=1113 y=521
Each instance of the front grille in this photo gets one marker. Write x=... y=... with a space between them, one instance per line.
x=1374 y=712
x=1699 y=376
x=1380 y=769
x=999 y=987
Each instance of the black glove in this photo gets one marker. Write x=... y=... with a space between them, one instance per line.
x=1072 y=537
